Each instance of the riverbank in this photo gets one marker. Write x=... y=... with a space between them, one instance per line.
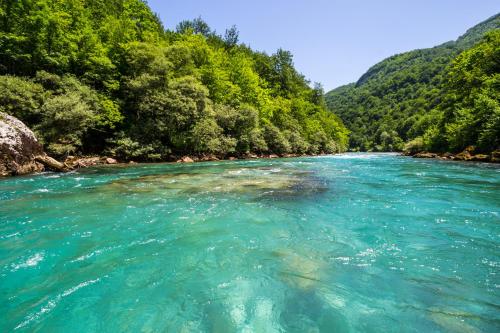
x=77 y=162
x=468 y=154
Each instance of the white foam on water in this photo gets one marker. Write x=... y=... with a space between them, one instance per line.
x=51 y=304
x=238 y=314
x=10 y=235
x=95 y=253
x=87 y=256
x=236 y=303
x=368 y=252
x=359 y=156
x=79 y=286
x=32 y=261
x=264 y=319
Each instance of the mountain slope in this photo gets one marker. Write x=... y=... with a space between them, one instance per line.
x=389 y=103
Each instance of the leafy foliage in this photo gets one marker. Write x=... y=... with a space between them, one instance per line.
x=104 y=76
x=447 y=104
x=471 y=106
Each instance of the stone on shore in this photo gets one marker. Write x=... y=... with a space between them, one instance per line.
x=18 y=148
x=186 y=159
x=480 y=158
x=425 y=155
x=207 y=158
x=464 y=156
x=495 y=156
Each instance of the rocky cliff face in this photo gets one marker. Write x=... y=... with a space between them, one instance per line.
x=19 y=148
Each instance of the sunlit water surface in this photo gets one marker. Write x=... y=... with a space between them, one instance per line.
x=350 y=243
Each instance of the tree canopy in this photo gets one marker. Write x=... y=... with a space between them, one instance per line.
x=439 y=99
x=106 y=77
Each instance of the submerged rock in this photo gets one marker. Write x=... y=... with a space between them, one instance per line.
x=301 y=269
x=452 y=321
x=18 y=148
x=265 y=183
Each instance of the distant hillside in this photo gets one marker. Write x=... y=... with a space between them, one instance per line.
x=391 y=103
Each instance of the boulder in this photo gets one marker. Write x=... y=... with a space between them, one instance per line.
x=495 y=156
x=448 y=156
x=86 y=162
x=110 y=160
x=71 y=161
x=186 y=159
x=463 y=156
x=425 y=155
x=206 y=158
x=480 y=158
x=470 y=149
x=18 y=148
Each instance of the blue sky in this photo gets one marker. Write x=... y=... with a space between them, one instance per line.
x=334 y=41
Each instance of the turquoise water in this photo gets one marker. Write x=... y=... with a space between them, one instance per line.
x=350 y=243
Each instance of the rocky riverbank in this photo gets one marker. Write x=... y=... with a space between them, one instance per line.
x=206 y=158
x=73 y=162
x=21 y=153
x=18 y=148
x=469 y=154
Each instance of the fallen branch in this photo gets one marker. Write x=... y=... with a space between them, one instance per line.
x=51 y=163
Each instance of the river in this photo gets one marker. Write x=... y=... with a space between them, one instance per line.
x=346 y=243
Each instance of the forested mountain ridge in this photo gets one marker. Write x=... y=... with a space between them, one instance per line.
x=398 y=99
x=94 y=77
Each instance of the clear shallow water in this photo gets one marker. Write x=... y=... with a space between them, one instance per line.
x=350 y=243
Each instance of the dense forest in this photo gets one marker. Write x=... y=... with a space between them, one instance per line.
x=441 y=99
x=105 y=77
